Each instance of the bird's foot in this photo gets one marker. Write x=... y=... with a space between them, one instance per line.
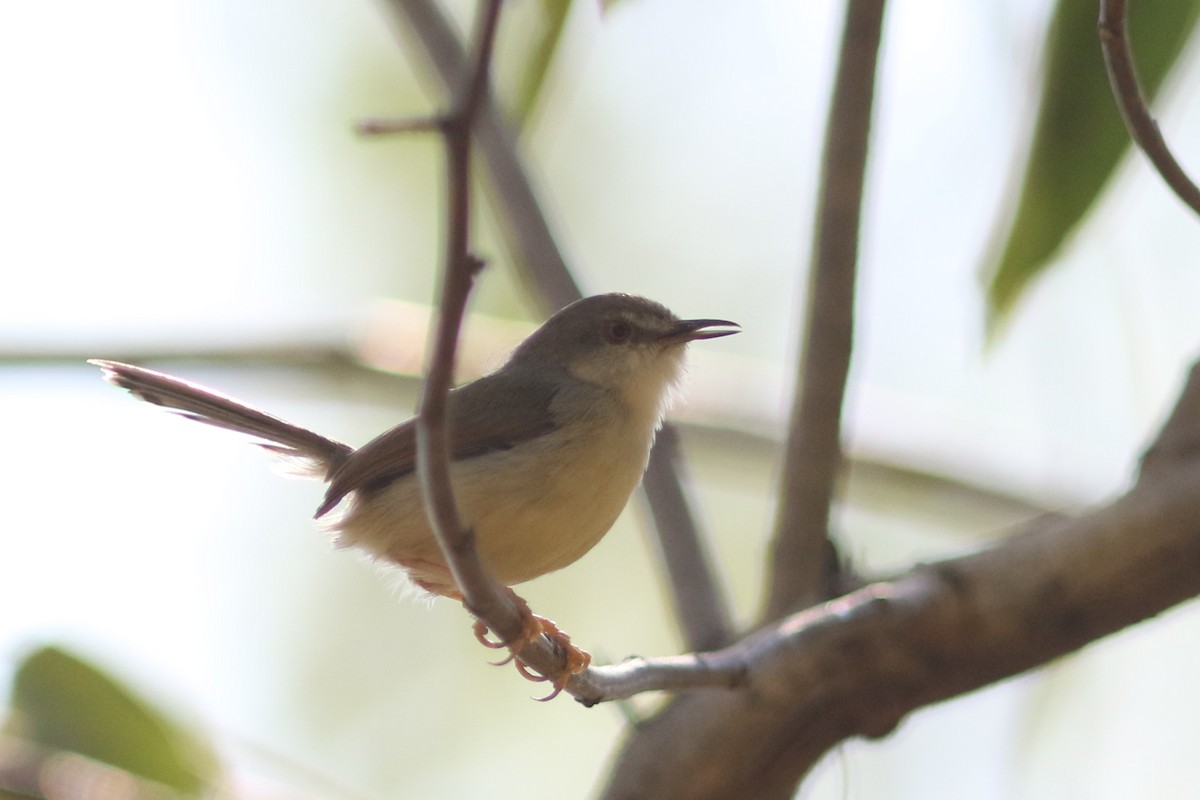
x=534 y=626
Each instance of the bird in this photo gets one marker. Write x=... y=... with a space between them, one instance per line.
x=545 y=451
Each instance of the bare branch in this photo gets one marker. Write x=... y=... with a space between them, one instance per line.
x=480 y=592
x=856 y=666
x=725 y=669
x=1118 y=59
x=700 y=605
x=388 y=127
x=485 y=598
x=801 y=564
x=703 y=611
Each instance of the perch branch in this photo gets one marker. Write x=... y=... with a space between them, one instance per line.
x=1127 y=90
x=803 y=560
x=482 y=595
x=458 y=275
x=697 y=597
x=857 y=665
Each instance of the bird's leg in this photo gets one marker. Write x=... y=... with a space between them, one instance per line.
x=533 y=626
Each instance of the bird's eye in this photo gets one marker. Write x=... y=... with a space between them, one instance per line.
x=617 y=331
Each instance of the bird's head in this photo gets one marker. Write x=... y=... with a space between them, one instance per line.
x=629 y=345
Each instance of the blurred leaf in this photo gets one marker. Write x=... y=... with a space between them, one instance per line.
x=64 y=703
x=1079 y=137
x=556 y=13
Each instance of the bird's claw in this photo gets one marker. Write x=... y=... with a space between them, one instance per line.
x=534 y=626
x=578 y=661
x=481 y=635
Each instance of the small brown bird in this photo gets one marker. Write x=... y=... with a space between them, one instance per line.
x=545 y=451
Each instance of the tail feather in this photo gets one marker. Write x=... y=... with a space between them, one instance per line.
x=319 y=454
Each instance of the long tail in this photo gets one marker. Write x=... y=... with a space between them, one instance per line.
x=317 y=455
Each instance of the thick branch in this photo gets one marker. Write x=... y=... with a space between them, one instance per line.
x=857 y=665
x=1118 y=58
x=703 y=611
x=800 y=553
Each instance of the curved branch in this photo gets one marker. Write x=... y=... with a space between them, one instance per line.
x=1118 y=59
x=801 y=565
x=482 y=595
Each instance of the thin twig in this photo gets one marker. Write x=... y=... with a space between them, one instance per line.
x=800 y=569
x=699 y=605
x=724 y=669
x=703 y=611
x=1122 y=74
x=480 y=592
x=387 y=127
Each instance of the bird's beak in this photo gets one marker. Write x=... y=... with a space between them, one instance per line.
x=688 y=330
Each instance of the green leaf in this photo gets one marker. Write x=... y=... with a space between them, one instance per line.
x=64 y=703
x=1079 y=137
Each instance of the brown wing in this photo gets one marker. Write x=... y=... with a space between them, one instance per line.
x=483 y=417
